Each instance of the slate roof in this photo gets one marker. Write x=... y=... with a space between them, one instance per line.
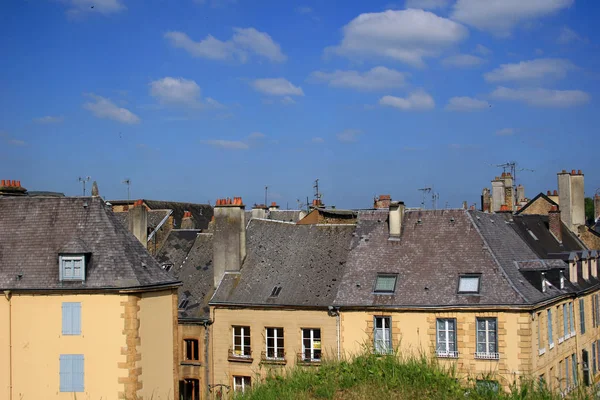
x=201 y=213
x=34 y=229
x=155 y=217
x=285 y=215
x=532 y=201
x=306 y=261
x=434 y=249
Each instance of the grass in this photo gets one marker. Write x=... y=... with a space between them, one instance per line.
x=371 y=376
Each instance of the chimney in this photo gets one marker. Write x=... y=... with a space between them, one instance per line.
x=11 y=188
x=572 y=199
x=229 y=237
x=486 y=200
x=554 y=223
x=95 y=191
x=259 y=211
x=594 y=265
x=498 y=193
x=520 y=193
x=585 y=268
x=383 y=201
x=596 y=207
x=273 y=207
x=395 y=218
x=509 y=196
x=554 y=196
x=573 y=270
x=138 y=221
x=187 y=222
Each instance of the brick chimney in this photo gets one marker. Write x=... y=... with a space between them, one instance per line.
x=498 y=193
x=138 y=221
x=273 y=207
x=571 y=199
x=383 y=201
x=187 y=222
x=520 y=193
x=396 y=215
x=554 y=223
x=229 y=237
x=486 y=200
x=11 y=188
x=259 y=211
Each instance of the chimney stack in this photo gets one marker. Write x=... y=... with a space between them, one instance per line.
x=273 y=207
x=187 y=222
x=229 y=237
x=138 y=221
x=486 y=200
x=95 y=191
x=259 y=211
x=571 y=199
x=520 y=193
x=554 y=223
x=498 y=193
x=383 y=201
x=396 y=215
x=573 y=270
x=11 y=188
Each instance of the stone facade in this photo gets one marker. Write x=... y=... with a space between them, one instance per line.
x=132 y=351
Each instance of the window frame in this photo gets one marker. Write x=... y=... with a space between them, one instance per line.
x=487 y=354
x=572 y=318
x=278 y=351
x=195 y=386
x=243 y=349
x=195 y=344
x=313 y=349
x=61 y=267
x=582 y=316
x=71 y=318
x=447 y=352
x=382 y=346
x=244 y=384
x=385 y=275
x=68 y=364
x=467 y=276
x=550 y=328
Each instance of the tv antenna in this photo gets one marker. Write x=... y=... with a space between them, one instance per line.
x=266 y=191
x=83 y=181
x=424 y=190
x=318 y=194
x=511 y=166
x=127 y=181
x=434 y=199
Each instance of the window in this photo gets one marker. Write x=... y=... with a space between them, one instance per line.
x=241 y=383
x=382 y=335
x=241 y=341
x=567 y=375
x=189 y=389
x=190 y=350
x=594 y=365
x=487 y=347
x=72 y=268
x=597 y=313
x=594 y=324
x=71 y=318
x=446 y=337
x=582 y=316
x=275 y=344
x=574 y=366
x=71 y=373
x=565 y=321
x=550 y=338
x=386 y=283
x=571 y=318
x=468 y=284
x=541 y=347
x=311 y=344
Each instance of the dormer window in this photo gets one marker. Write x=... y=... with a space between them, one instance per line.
x=469 y=283
x=385 y=283
x=72 y=267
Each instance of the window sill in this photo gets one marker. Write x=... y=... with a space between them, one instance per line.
x=194 y=363
x=551 y=346
x=542 y=351
x=240 y=359
x=487 y=356
x=573 y=334
x=274 y=361
x=447 y=354
x=560 y=340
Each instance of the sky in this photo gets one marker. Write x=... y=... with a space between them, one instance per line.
x=193 y=100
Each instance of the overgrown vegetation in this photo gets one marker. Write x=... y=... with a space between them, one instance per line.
x=389 y=377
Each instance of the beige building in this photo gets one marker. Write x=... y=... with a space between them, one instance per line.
x=86 y=312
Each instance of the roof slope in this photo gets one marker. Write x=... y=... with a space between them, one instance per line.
x=34 y=229
x=306 y=261
x=435 y=247
x=201 y=213
x=534 y=229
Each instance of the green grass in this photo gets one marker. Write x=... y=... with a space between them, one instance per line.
x=370 y=376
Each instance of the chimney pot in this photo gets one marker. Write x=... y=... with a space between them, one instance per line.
x=579 y=172
x=548 y=193
x=273 y=204
x=573 y=172
x=3 y=182
x=19 y=182
x=564 y=171
x=555 y=193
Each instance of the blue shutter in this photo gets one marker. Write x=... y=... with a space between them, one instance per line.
x=66 y=318
x=71 y=373
x=78 y=373
x=76 y=318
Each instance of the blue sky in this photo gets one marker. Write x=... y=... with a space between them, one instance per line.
x=194 y=100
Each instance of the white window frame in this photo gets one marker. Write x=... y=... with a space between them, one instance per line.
x=487 y=354
x=444 y=349
x=572 y=318
x=241 y=383
x=63 y=275
x=382 y=337
x=243 y=349
x=277 y=351
x=315 y=346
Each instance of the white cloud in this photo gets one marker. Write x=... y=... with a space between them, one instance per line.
x=542 y=97
x=175 y=90
x=287 y=100
x=418 y=100
x=377 y=78
x=213 y=103
x=500 y=17
x=466 y=104
x=462 y=61
x=482 y=50
x=227 y=144
x=277 y=87
x=505 y=132
x=102 y=107
x=244 y=41
x=348 y=136
x=554 y=68
x=427 y=4
x=318 y=140
x=568 y=35
x=406 y=35
x=78 y=8
x=304 y=10
x=49 y=119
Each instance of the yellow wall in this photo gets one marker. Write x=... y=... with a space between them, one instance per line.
x=158 y=335
x=38 y=343
x=4 y=349
x=292 y=321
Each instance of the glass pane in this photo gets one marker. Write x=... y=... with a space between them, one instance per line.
x=318 y=354
x=468 y=284
x=385 y=283
x=480 y=324
x=481 y=347
x=317 y=334
x=492 y=323
x=306 y=333
x=440 y=324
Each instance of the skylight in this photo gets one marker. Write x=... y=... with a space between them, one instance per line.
x=468 y=284
x=386 y=283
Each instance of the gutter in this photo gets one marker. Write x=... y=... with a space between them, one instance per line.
x=8 y=296
x=206 y=324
